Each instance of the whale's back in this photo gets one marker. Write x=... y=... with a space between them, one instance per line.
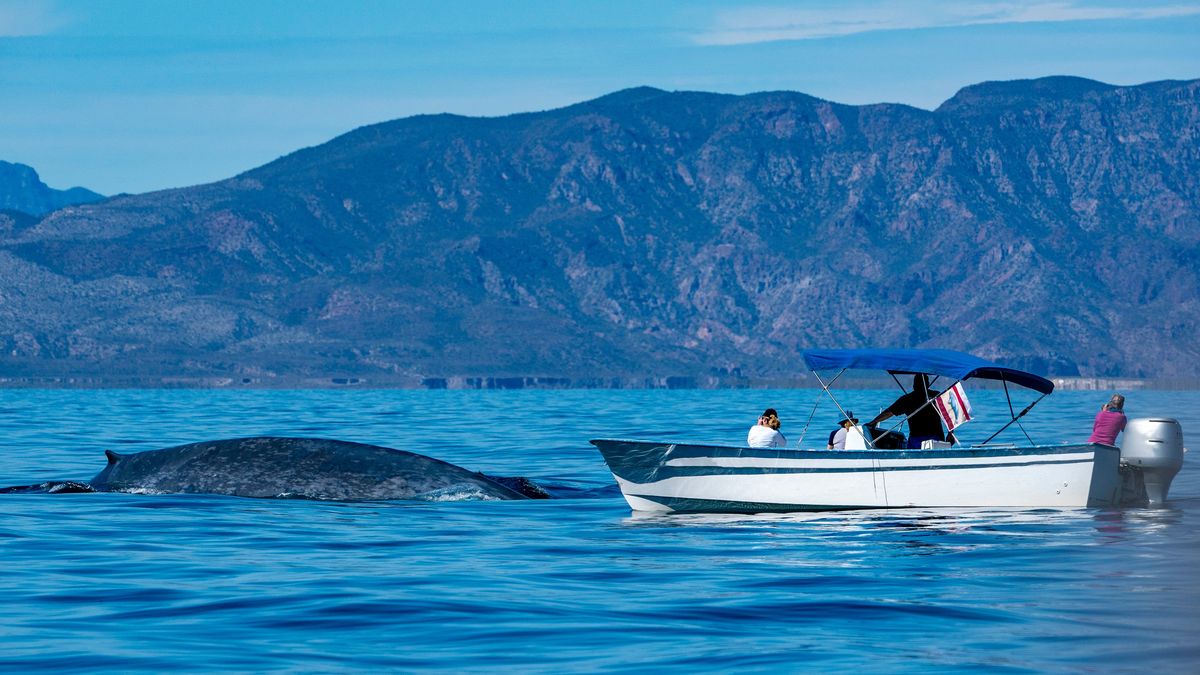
x=310 y=468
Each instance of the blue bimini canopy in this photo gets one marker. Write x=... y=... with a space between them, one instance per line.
x=955 y=365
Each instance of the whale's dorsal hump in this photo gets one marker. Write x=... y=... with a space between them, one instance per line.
x=112 y=456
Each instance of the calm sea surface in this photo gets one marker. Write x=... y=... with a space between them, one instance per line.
x=208 y=583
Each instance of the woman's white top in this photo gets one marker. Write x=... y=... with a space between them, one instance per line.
x=854 y=439
x=765 y=437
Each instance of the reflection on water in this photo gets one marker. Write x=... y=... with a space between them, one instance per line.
x=1141 y=521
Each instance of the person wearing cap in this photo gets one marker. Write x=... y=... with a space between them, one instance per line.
x=1110 y=421
x=838 y=438
x=838 y=442
x=766 y=434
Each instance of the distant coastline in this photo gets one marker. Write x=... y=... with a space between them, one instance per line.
x=467 y=383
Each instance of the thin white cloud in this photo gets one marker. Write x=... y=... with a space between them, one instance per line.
x=767 y=24
x=21 y=18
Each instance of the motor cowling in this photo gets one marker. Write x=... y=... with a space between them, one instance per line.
x=1154 y=445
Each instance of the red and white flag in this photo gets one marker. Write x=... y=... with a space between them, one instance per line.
x=954 y=407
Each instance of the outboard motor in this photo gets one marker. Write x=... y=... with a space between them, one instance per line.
x=1154 y=447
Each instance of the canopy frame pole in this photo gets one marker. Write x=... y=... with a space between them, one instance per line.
x=1014 y=415
x=900 y=384
x=835 y=379
x=833 y=398
x=1022 y=428
x=816 y=404
x=1014 y=419
x=1008 y=397
x=932 y=382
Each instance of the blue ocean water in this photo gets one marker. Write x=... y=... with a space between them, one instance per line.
x=207 y=583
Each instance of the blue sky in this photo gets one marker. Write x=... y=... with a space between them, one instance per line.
x=138 y=95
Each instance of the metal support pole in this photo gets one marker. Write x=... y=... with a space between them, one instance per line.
x=842 y=410
x=1014 y=419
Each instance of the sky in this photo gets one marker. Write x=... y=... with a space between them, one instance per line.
x=139 y=95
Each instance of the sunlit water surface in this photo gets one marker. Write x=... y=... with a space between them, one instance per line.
x=194 y=582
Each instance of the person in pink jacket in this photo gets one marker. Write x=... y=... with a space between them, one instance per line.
x=1109 y=421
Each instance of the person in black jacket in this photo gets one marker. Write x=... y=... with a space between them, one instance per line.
x=924 y=423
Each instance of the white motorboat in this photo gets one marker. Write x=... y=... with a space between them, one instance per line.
x=883 y=473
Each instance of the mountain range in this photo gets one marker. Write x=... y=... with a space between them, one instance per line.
x=644 y=237
x=22 y=190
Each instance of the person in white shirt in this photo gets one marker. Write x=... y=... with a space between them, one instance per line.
x=766 y=434
x=839 y=438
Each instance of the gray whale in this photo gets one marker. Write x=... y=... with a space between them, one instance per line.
x=310 y=468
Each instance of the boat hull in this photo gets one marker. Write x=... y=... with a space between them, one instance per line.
x=657 y=476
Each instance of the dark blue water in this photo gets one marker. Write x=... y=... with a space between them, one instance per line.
x=168 y=582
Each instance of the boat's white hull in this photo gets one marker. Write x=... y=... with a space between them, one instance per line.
x=678 y=477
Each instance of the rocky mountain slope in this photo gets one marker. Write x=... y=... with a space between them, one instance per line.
x=1053 y=223
x=23 y=191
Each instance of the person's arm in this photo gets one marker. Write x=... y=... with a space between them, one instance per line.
x=880 y=417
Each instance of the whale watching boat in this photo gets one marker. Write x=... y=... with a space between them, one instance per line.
x=878 y=471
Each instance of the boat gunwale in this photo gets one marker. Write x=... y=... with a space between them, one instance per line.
x=686 y=450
